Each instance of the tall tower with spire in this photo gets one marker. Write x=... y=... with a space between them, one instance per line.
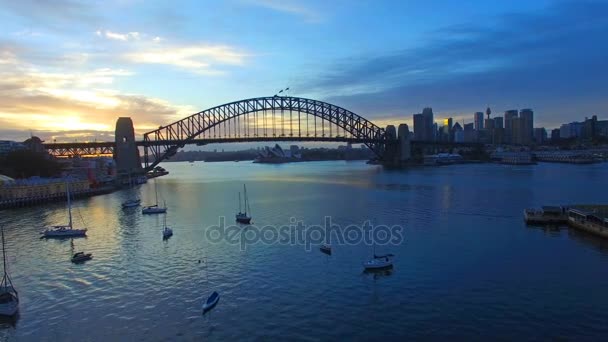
x=488 y=112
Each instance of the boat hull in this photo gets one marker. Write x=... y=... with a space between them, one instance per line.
x=211 y=302
x=131 y=204
x=82 y=258
x=325 y=249
x=10 y=308
x=59 y=232
x=375 y=264
x=149 y=211
x=243 y=219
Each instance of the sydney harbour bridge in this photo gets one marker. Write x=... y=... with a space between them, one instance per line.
x=261 y=119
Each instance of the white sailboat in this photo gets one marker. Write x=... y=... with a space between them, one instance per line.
x=243 y=217
x=9 y=298
x=154 y=209
x=167 y=232
x=65 y=231
x=379 y=262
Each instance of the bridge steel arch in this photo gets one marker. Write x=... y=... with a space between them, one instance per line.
x=166 y=140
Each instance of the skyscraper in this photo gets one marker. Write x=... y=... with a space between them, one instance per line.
x=509 y=116
x=527 y=116
x=419 y=127
x=478 y=120
x=431 y=132
x=498 y=123
x=517 y=125
x=424 y=129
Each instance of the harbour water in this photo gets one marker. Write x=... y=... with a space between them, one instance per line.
x=468 y=267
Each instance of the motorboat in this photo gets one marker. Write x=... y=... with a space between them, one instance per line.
x=243 y=217
x=211 y=302
x=325 y=248
x=131 y=203
x=64 y=231
x=167 y=232
x=9 y=298
x=81 y=256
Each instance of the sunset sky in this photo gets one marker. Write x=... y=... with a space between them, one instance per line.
x=69 y=68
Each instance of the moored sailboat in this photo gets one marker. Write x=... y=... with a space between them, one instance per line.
x=167 y=232
x=154 y=209
x=9 y=298
x=65 y=230
x=244 y=217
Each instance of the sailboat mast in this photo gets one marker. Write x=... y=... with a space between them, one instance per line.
x=248 y=207
x=3 y=253
x=246 y=202
x=240 y=211
x=67 y=190
x=156 y=192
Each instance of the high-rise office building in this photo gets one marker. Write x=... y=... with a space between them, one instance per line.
x=470 y=132
x=527 y=116
x=555 y=134
x=498 y=122
x=517 y=127
x=509 y=116
x=424 y=127
x=431 y=133
x=419 y=128
x=478 y=120
x=540 y=135
x=447 y=133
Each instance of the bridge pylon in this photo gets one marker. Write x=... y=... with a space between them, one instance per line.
x=126 y=153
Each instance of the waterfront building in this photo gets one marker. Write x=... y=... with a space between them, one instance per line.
x=478 y=120
x=36 y=187
x=7 y=146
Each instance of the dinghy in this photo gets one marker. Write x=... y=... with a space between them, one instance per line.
x=81 y=256
x=211 y=301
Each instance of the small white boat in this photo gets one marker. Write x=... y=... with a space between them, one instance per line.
x=131 y=203
x=9 y=298
x=325 y=248
x=379 y=262
x=81 y=256
x=242 y=217
x=167 y=232
x=65 y=231
x=154 y=209
x=211 y=301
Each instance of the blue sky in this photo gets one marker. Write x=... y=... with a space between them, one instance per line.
x=69 y=68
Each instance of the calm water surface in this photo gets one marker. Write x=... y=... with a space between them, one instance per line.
x=469 y=268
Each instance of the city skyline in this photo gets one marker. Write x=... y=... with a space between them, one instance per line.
x=69 y=69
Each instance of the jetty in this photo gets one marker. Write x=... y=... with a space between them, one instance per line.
x=592 y=219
